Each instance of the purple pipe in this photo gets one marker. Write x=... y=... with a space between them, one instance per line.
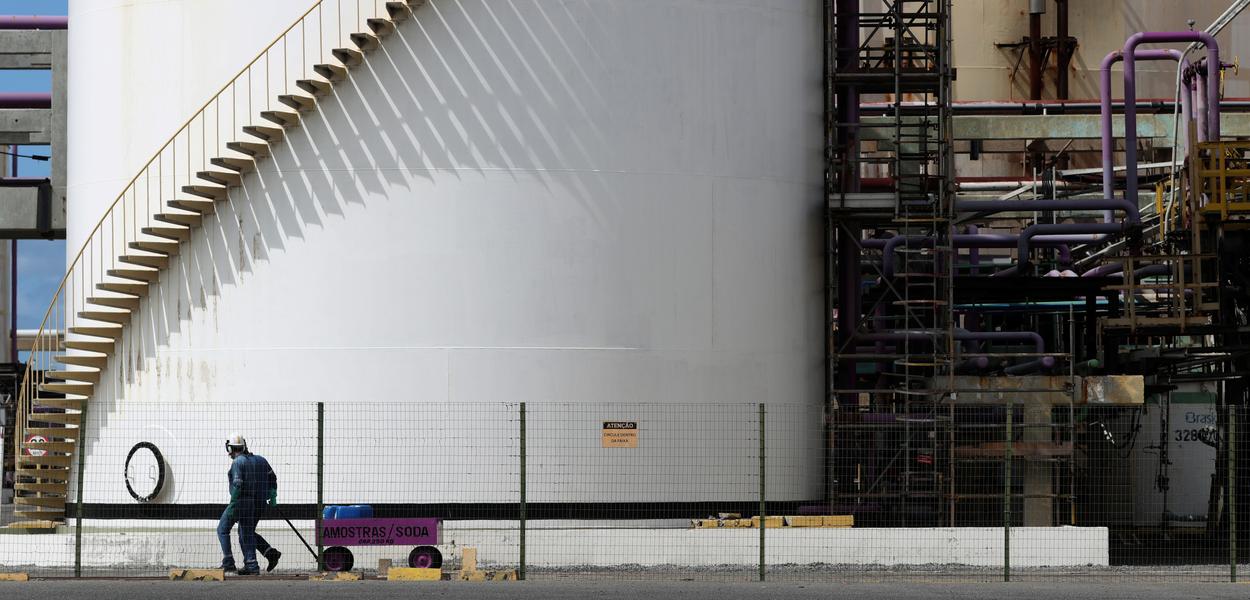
x=977 y=240
x=1033 y=231
x=850 y=283
x=976 y=336
x=25 y=100
x=998 y=206
x=1024 y=368
x=974 y=255
x=1108 y=140
x=978 y=363
x=33 y=22
x=1130 y=93
x=1104 y=270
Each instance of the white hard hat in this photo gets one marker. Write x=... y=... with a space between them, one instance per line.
x=235 y=442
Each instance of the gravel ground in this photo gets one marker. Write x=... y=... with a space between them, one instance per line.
x=369 y=590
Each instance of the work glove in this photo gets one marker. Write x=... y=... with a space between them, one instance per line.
x=229 y=514
x=273 y=497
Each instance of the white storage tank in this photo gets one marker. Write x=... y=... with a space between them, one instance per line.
x=608 y=211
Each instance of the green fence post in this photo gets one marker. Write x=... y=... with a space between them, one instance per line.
x=763 y=489
x=521 y=566
x=1232 y=493
x=1011 y=408
x=321 y=447
x=82 y=460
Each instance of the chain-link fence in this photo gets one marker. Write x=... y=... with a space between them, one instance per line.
x=976 y=488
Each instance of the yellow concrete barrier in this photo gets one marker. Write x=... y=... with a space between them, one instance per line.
x=14 y=577
x=197 y=575
x=413 y=574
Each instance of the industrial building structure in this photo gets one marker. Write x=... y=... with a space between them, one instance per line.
x=991 y=261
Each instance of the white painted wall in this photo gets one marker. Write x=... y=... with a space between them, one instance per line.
x=848 y=552
x=568 y=204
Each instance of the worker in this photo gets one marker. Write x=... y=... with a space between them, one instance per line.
x=252 y=484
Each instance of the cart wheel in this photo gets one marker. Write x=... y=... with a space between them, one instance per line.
x=338 y=558
x=425 y=557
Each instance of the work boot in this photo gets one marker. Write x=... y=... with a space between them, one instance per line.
x=272 y=555
x=229 y=568
x=249 y=571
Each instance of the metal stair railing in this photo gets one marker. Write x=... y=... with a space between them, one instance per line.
x=325 y=26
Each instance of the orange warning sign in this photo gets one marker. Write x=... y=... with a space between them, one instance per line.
x=620 y=434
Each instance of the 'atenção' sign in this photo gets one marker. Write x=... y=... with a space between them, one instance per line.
x=620 y=434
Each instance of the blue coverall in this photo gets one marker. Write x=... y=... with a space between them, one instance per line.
x=252 y=483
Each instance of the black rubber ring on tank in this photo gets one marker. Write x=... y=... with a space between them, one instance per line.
x=160 y=467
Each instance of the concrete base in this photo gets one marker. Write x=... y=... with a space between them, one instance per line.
x=548 y=545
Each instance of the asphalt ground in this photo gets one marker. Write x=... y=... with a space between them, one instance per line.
x=614 y=590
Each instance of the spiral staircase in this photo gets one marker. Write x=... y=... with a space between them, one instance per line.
x=140 y=235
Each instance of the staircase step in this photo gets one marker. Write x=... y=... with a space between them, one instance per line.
x=111 y=333
x=284 y=118
x=47 y=488
x=70 y=387
x=366 y=42
x=130 y=304
x=180 y=234
x=62 y=418
x=98 y=362
x=43 y=501
x=100 y=347
x=49 y=460
x=199 y=206
x=348 y=56
x=380 y=27
x=334 y=73
x=398 y=11
x=121 y=318
x=187 y=219
x=314 y=86
x=63 y=403
x=236 y=164
x=145 y=275
x=91 y=376
x=272 y=135
x=298 y=102
x=62 y=447
x=212 y=192
x=166 y=248
x=41 y=515
x=131 y=289
x=63 y=433
x=415 y=4
x=145 y=260
x=253 y=149
x=224 y=178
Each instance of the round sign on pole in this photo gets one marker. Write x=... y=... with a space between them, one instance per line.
x=33 y=439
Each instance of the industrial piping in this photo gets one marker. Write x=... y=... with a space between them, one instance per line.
x=1039 y=345
x=1130 y=210
x=971 y=240
x=1108 y=141
x=33 y=22
x=1212 y=90
x=25 y=100
x=1041 y=230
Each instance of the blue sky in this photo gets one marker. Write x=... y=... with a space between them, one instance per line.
x=40 y=264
